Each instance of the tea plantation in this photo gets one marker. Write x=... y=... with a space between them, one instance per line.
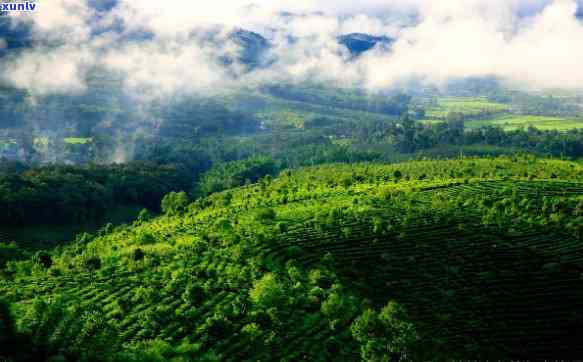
x=424 y=260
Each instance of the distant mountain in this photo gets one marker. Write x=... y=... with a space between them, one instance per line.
x=13 y=36
x=358 y=43
x=253 y=46
x=102 y=5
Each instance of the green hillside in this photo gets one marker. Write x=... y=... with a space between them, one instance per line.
x=424 y=260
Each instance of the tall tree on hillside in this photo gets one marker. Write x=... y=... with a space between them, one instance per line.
x=386 y=335
x=407 y=131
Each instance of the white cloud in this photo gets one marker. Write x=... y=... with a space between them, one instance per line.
x=45 y=71
x=65 y=20
x=484 y=40
x=450 y=38
x=164 y=68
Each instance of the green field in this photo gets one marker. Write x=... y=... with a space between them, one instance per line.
x=77 y=140
x=430 y=260
x=464 y=106
x=6 y=144
x=513 y=122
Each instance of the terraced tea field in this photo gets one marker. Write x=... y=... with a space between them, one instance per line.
x=485 y=256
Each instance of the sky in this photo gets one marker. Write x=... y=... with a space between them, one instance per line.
x=529 y=43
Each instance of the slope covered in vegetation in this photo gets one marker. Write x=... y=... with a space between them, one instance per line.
x=425 y=260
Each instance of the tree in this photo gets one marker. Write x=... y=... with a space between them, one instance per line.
x=143 y=216
x=7 y=331
x=251 y=331
x=138 y=255
x=174 y=203
x=394 y=317
x=267 y=292
x=265 y=215
x=406 y=143
x=217 y=327
x=93 y=263
x=43 y=259
x=338 y=308
x=384 y=336
x=194 y=294
x=55 y=328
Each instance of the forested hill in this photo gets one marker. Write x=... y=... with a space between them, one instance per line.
x=458 y=259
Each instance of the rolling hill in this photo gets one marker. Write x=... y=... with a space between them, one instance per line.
x=424 y=260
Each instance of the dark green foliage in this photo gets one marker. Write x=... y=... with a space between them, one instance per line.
x=11 y=251
x=237 y=173
x=282 y=227
x=197 y=118
x=144 y=216
x=92 y=263
x=387 y=335
x=194 y=294
x=313 y=93
x=50 y=329
x=7 y=328
x=14 y=346
x=265 y=215
x=138 y=255
x=43 y=259
x=217 y=327
x=146 y=238
x=71 y=195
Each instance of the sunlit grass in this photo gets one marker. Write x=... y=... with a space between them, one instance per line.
x=77 y=140
x=513 y=122
x=464 y=105
x=6 y=143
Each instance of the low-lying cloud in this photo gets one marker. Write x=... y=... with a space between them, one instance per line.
x=173 y=46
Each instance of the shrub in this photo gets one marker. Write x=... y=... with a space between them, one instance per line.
x=384 y=334
x=194 y=294
x=218 y=327
x=251 y=331
x=138 y=255
x=43 y=259
x=282 y=227
x=144 y=215
x=265 y=215
x=267 y=291
x=93 y=263
x=146 y=238
x=174 y=203
x=6 y=326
